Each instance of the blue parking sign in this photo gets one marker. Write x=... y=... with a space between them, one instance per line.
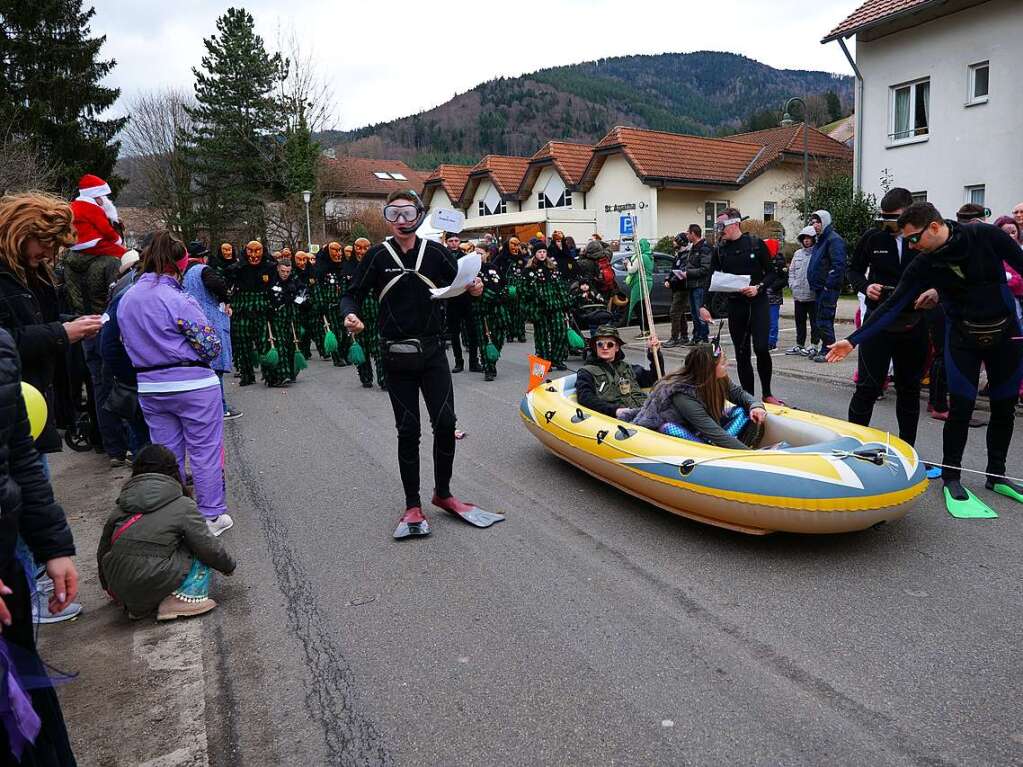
x=625 y=226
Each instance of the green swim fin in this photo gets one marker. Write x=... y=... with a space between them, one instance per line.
x=1008 y=489
x=970 y=508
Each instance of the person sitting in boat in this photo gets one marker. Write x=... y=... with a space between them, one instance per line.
x=609 y=384
x=692 y=403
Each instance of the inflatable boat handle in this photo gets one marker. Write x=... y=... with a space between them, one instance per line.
x=601 y=436
x=579 y=416
x=875 y=455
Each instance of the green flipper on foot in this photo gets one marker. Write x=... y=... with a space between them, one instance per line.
x=1007 y=488
x=962 y=504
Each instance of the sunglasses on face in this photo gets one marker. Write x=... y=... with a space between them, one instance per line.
x=405 y=213
x=607 y=344
x=914 y=239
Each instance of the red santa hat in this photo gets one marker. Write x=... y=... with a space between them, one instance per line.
x=93 y=186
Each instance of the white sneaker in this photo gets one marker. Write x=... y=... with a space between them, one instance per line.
x=42 y=614
x=218 y=525
x=794 y=350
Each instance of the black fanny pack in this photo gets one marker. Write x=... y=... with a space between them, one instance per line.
x=179 y=364
x=123 y=400
x=408 y=355
x=982 y=335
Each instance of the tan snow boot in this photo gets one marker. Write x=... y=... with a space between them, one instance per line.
x=173 y=607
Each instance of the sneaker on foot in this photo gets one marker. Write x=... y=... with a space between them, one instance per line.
x=42 y=614
x=117 y=463
x=219 y=525
x=939 y=415
x=231 y=414
x=795 y=351
x=819 y=357
x=173 y=607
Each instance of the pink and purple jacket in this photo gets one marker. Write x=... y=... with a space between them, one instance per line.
x=162 y=325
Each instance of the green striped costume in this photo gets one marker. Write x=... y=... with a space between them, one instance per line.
x=516 y=327
x=327 y=300
x=369 y=339
x=491 y=314
x=545 y=297
x=250 y=310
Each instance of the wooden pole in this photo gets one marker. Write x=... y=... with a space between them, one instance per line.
x=647 y=307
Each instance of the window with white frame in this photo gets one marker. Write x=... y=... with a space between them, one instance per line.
x=979 y=82
x=770 y=209
x=975 y=194
x=491 y=204
x=554 y=194
x=910 y=110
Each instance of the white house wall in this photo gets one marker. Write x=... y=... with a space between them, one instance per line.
x=617 y=191
x=440 y=199
x=541 y=182
x=979 y=144
x=780 y=184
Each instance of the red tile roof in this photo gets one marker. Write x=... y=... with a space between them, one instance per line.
x=872 y=12
x=450 y=178
x=731 y=161
x=355 y=177
x=505 y=171
x=569 y=159
x=789 y=140
x=671 y=156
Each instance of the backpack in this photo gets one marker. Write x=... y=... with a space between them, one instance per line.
x=605 y=275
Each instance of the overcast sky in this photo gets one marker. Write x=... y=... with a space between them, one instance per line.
x=387 y=59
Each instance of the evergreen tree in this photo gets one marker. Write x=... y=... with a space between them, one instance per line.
x=834 y=105
x=50 y=80
x=234 y=146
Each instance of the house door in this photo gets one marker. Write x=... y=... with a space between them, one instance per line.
x=711 y=210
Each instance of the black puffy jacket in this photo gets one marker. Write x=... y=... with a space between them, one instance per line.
x=39 y=342
x=26 y=498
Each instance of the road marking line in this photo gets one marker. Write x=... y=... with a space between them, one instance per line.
x=177 y=647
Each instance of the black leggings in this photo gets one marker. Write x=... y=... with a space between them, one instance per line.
x=806 y=311
x=749 y=323
x=459 y=311
x=403 y=388
x=937 y=394
x=1004 y=365
x=907 y=352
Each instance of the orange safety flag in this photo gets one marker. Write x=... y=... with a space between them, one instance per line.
x=538 y=368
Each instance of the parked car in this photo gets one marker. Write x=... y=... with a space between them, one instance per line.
x=660 y=296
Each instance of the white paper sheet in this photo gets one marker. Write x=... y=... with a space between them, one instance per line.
x=679 y=274
x=722 y=282
x=468 y=268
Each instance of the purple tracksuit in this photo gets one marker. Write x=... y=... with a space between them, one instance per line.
x=162 y=325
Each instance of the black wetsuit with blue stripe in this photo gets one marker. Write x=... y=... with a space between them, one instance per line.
x=969 y=275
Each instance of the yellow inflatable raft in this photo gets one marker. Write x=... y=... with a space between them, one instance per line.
x=836 y=477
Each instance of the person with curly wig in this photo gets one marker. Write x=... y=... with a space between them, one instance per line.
x=33 y=227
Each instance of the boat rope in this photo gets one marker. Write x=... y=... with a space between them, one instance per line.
x=877 y=456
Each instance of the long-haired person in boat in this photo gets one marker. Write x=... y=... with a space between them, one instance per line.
x=610 y=384
x=399 y=273
x=692 y=403
x=749 y=311
x=965 y=265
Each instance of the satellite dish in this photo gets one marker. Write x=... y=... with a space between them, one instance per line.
x=447 y=220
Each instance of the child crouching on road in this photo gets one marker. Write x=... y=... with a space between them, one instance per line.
x=156 y=550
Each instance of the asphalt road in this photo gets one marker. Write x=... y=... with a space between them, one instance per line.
x=588 y=628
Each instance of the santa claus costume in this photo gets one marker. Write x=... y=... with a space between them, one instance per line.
x=94 y=216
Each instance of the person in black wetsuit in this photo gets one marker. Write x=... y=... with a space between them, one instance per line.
x=964 y=265
x=749 y=312
x=877 y=264
x=399 y=272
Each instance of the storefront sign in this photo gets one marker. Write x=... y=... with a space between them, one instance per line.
x=624 y=206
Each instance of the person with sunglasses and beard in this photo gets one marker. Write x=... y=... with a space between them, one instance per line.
x=609 y=383
x=963 y=263
x=878 y=263
x=399 y=273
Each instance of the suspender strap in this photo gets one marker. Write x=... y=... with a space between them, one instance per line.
x=405 y=270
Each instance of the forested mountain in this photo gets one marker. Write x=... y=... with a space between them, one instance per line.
x=705 y=93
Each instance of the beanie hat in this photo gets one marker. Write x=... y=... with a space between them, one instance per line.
x=593 y=249
x=93 y=186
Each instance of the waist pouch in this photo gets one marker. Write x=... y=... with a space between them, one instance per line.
x=982 y=335
x=123 y=401
x=408 y=355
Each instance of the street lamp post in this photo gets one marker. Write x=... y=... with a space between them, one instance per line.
x=307 y=196
x=787 y=120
